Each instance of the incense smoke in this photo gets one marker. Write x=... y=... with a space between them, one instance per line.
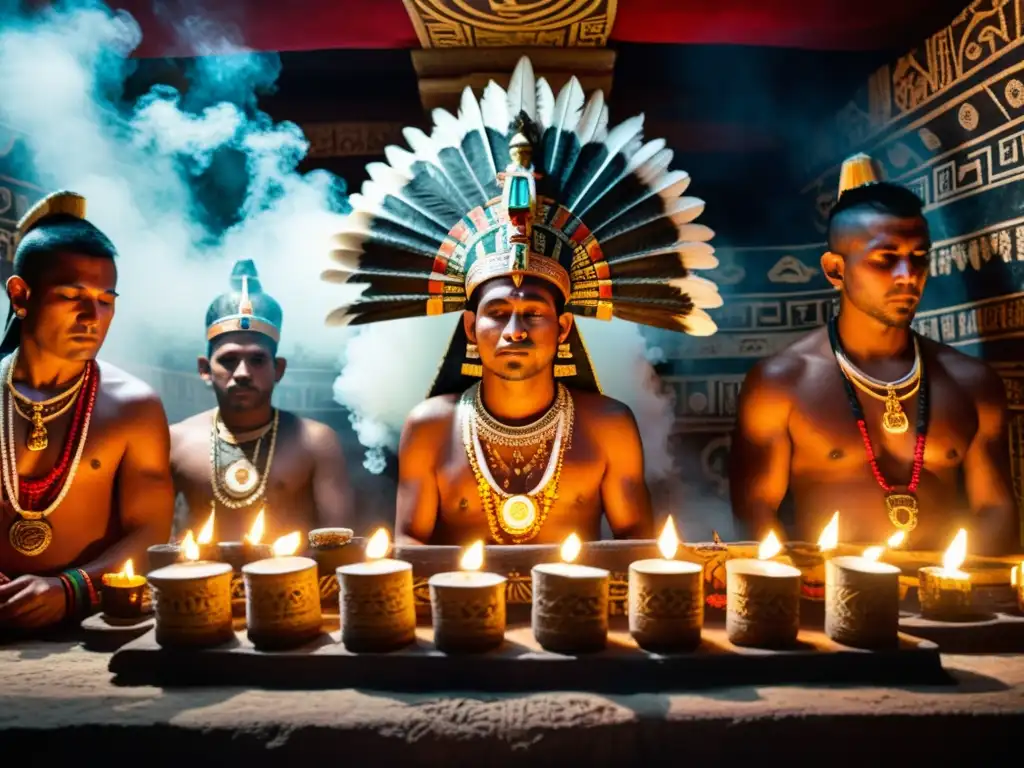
x=186 y=183
x=154 y=169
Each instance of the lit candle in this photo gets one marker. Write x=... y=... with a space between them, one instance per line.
x=1017 y=582
x=208 y=550
x=467 y=606
x=812 y=585
x=570 y=603
x=894 y=542
x=376 y=600
x=945 y=593
x=249 y=549
x=666 y=598
x=193 y=601
x=121 y=596
x=762 y=599
x=282 y=597
x=862 y=599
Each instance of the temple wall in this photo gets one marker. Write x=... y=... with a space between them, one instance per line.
x=947 y=120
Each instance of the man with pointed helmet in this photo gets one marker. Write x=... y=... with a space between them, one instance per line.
x=897 y=432
x=522 y=212
x=245 y=456
x=83 y=444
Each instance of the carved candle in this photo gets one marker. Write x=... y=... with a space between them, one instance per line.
x=193 y=604
x=666 y=599
x=862 y=602
x=762 y=599
x=282 y=598
x=121 y=595
x=376 y=600
x=570 y=603
x=467 y=606
x=946 y=593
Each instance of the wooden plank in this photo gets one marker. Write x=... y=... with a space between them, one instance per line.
x=520 y=665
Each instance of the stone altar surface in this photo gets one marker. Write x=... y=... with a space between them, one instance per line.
x=57 y=703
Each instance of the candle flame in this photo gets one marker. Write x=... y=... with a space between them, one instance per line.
x=287 y=545
x=1013 y=574
x=206 y=533
x=770 y=547
x=956 y=554
x=571 y=548
x=829 y=538
x=378 y=545
x=255 y=534
x=896 y=540
x=668 y=542
x=473 y=557
x=189 y=548
x=873 y=553
x=128 y=571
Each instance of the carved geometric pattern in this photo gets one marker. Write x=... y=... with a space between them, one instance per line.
x=512 y=23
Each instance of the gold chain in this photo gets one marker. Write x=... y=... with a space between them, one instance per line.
x=541 y=430
x=218 y=495
x=9 y=453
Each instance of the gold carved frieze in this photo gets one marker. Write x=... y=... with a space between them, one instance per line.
x=975 y=322
x=512 y=23
x=982 y=34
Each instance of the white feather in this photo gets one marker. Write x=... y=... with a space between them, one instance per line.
x=545 y=104
x=590 y=121
x=702 y=292
x=493 y=107
x=387 y=177
x=522 y=90
x=624 y=139
x=421 y=145
x=373 y=198
x=448 y=131
x=692 y=254
x=337 y=276
x=645 y=153
x=654 y=167
x=698 y=323
x=567 y=112
x=473 y=118
x=400 y=159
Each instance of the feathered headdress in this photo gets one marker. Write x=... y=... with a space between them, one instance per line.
x=245 y=307
x=523 y=184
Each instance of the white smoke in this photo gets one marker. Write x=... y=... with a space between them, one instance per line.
x=138 y=165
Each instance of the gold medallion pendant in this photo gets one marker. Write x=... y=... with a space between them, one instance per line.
x=241 y=478
x=902 y=509
x=38 y=439
x=894 y=420
x=30 y=537
x=518 y=515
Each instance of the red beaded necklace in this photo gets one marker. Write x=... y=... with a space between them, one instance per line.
x=901 y=506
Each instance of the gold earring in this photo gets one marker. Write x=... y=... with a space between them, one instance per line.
x=20 y=313
x=565 y=351
x=472 y=369
x=472 y=351
x=564 y=371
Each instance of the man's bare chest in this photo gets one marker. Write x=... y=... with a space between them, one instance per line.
x=825 y=434
x=197 y=469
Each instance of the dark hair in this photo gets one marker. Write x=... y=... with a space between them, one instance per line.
x=556 y=295
x=56 y=235
x=881 y=197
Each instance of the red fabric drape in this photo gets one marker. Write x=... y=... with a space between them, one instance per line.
x=305 y=25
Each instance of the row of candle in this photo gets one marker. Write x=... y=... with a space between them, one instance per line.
x=570 y=600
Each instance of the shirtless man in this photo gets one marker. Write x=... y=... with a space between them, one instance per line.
x=93 y=482
x=797 y=431
x=517 y=331
x=290 y=467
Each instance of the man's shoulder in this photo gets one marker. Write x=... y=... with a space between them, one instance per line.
x=785 y=368
x=597 y=407
x=434 y=410
x=199 y=422
x=974 y=376
x=134 y=398
x=312 y=432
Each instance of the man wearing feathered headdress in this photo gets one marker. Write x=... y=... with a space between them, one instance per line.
x=245 y=456
x=520 y=213
x=83 y=445
x=897 y=432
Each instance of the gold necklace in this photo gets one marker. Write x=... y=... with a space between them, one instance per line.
x=520 y=516
x=894 y=420
x=31 y=524
x=241 y=476
x=38 y=438
x=539 y=431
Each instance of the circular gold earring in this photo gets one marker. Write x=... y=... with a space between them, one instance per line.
x=20 y=313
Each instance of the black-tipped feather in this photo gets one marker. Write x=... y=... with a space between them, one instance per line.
x=479 y=158
x=459 y=171
x=430 y=187
x=379 y=284
x=415 y=220
x=654 y=234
